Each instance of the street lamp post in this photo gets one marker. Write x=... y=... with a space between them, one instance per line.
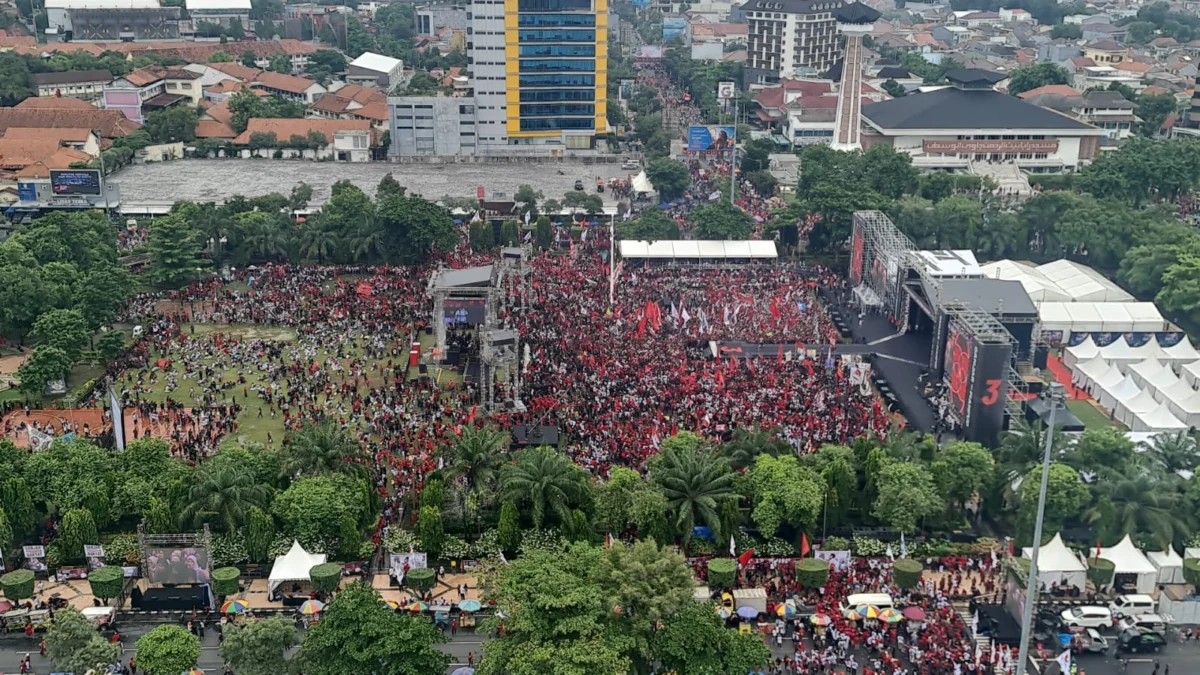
x=1055 y=395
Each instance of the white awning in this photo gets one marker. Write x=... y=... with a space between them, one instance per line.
x=294 y=565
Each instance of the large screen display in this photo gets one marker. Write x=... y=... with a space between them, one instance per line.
x=464 y=311
x=958 y=372
x=711 y=139
x=177 y=565
x=75 y=182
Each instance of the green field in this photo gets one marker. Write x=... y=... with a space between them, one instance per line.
x=1087 y=413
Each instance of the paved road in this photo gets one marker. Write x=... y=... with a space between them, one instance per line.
x=218 y=179
x=14 y=648
x=1177 y=659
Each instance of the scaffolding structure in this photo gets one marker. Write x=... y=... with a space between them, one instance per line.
x=201 y=539
x=499 y=344
x=884 y=252
x=988 y=330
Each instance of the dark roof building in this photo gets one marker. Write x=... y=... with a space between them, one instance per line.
x=969 y=121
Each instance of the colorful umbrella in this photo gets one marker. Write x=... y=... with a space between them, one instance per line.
x=392 y=604
x=311 y=607
x=418 y=607
x=852 y=615
x=747 y=612
x=890 y=615
x=914 y=613
x=786 y=610
x=234 y=606
x=470 y=605
x=820 y=620
x=867 y=611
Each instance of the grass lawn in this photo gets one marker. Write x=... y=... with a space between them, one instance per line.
x=1087 y=413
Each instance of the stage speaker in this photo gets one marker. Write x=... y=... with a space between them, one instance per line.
x=1040 y=356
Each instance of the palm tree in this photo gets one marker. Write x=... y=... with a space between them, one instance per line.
x=1139 y=505
x=1174 y=452
x=368 y=241
x=263 y=237
x=317 y=242
x=545 y=479
x=222 y=496
x=746 y=446
x=475 y=455
x=321 y=448
x=695 y=481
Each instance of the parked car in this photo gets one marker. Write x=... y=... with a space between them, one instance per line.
x=1087 y=617
x=1141 y=641
x=579 y=185
x=1127 y=605
x=1152 y=622
x=1091 y=641
x=631 y=165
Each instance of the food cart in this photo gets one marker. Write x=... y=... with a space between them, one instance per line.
x=14 y=621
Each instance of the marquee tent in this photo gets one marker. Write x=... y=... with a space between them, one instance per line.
x=641 y=183
x=1159 y=419
x=1039 y=288
x=1058 y=565
x=1100 y=317
x=1087 y=374
x=1183 y=352
x=1183 y=401
x=1127 y=411
x=293 y=566
x=1111 y=397
x=1084 y=351
x=1169 y=564
x=1132 y=568
x=1147 y=372
x=1121 y=353
x=694 y=250
x=1190 y=372
x=1082 y=283
x=1109 y=378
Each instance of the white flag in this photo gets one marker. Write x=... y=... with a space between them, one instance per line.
x=685 y=316
x=500 y=553
x=526 y=217
x=674 y=312
x=726 y=315
x=890 y=554
x=903 y=548
x=1064 y=662
x=583 y=237
x=732 y=546
x=475 y=218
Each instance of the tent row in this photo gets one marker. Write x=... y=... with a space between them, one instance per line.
x=1120 y=351
x=1058 y=281
x=1135 y=572
x=698 y=250
x=1146 y=397
x=1101 y=317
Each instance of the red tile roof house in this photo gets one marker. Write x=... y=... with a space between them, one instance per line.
x=344 y=140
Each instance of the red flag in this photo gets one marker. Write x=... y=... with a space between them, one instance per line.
x=775 y=313
x=779 y=355
x=471 y=416
x=642 y=327
x=733 y=364
x=804 y=547
x=744 y=558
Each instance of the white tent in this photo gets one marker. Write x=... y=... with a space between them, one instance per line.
x=1191 y=373
x=1189 y=553
x=1084 y=351
x=1086 y=373
x=1169 y=564
x=1142 y=404
x=293 y=566
x=1083 y=283
x=1058 y=565
x=1145 y=372
x=641 y=183
x=1039 y=288
x=1163 y=379
x=1183 y=401
x=1132 y=568
x=1111 y=397
x=1183 y=352
x=1108 y=379
x=1159 y=419
x=1119 y=352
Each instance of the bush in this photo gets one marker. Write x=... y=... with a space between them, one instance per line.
x=326 y=577
x=777 y=548
x=18 y=585
x=721 y=572
x=867 y=547
x=1191 y=572
x=123 y=549
x=906 y=572
x=836 y=544
x=225 y=581
x=1101 y=571
x=812 y=572
x=419 y=579
x=106 y=582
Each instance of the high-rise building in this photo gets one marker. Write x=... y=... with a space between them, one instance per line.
x=787 y=38
x=539 y=71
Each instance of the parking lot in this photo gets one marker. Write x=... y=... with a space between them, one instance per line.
x=219 y=179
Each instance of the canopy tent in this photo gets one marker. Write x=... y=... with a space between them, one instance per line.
x=1100 y=317
x=1039 y=288
x=1183 y=401
x=1132 y=565
x=686 y=249
x=1169 y=565
x=1111 y=397
x=293 y=566
x=1163 y=379
x=1058 y=565
x=1084 y=351
x=1120 y=353
x=1109 y=378
x=1082 y=283
x=1191 y=373
x=866 y=296
x=1083 y=373
x=1145 y=373
x=1143 y=403
x=1189 y=553
x=641 y=183
x=1159 y=419
x=1183 y=352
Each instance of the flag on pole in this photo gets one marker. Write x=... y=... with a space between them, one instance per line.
x=903 y=547
x=744 y=558
x=674 y=312
x=1064 y=662
x=804 y=547
x=683 y=314
x=527 y=217
x=890 y=553
x=732 y=546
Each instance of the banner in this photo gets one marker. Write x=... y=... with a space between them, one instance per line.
x=711 y=139
x=415 y=561
x=35 y=558
x=118 y=419
x=838 y=560
x=39 y=440
x=94 y=555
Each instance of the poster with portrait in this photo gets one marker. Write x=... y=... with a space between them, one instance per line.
x=35 y=557
x=838 y=560
x=94 y=555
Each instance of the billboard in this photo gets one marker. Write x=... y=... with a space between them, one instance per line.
x=959 y=355
x=75 y=182
x=177 y=565
x=989 y=389
x=711 y=139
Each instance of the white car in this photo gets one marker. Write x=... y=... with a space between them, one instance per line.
x=1155 y=622
x=1087 y=617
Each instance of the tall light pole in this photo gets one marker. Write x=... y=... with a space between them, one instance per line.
x=1054 y=398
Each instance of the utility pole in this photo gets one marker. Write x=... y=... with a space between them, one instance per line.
x=1055 y=395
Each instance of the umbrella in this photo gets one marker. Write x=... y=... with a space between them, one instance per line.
x=852 y=615
x=820 y=620
x=890 y=615
x=234 y=606
x=464 y=671
x=914 y=614
x=747 y=612
x=724 y=612
x=867 y=611
x=392 y=604
x=311 y=607
x=786 y=610
x=418 y=607
x=470 y=605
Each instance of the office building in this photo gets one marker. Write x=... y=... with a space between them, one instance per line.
x=787 y=38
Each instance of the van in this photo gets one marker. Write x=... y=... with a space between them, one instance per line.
x=1153 y=622
x=1127 y=605
x=880 y=600
x=1087 y=617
